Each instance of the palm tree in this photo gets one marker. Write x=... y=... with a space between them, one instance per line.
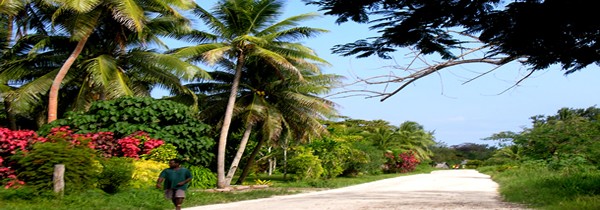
x=81 y=18
x=116 y=63
x=277 y=108
x=294 y=111
x=414 y=138
x=245 y=29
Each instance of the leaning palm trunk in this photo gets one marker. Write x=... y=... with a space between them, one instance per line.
x=53 y=98
x=250 y=162
x=221 y=181
x=238 y=156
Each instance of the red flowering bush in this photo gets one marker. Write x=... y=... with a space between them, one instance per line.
x=104 y=142
x=129 y=146
x=409 y=162
x=134 y=145
x=138 y=143
x=403 y=163
x=10 y=143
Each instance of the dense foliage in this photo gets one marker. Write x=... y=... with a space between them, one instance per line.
x=555 y=160
x=169 y=121
x=36 y=167
x=529 y=29
x=116 y=174
x=570 y=135
x=204 y=178
x=305 y=165
x=400 y=163
x=146 y=172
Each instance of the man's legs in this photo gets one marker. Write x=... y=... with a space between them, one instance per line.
x=178 y=196
x=177 y=202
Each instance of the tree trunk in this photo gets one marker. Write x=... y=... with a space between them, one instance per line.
x=10 y=116
x=270 y=162
x=285 y=163
x=250 y=162
x=53 y=98
x=274 y=164
x=240 y=152
x=221 y=182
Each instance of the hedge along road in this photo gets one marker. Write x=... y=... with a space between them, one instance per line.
x=443 y=189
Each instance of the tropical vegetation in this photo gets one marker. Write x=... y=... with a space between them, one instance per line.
x=76 y=77
x=75 y=81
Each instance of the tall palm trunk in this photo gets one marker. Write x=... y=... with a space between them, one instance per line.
x=250 y=162
x=53 y=98
x=238 y=155
x=221 y=181
x=10 y=116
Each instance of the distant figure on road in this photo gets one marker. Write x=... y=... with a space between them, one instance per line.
x=176 y=181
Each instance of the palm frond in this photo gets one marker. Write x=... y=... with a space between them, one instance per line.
x=276 y=60
x=173 y=64
x=81 y=6
x=287 y=23
x=129 y=13
x=11 y=7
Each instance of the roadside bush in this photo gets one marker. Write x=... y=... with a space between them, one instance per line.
x=162 y=154
x=116 y=174
x=473 y=164
x=304 y=165
x=203 y=178
x=169 y=121
x=333 y=156
x=12 y=142
x=146 y=172
x=402 y=163
x=137 y=144
x=365 y=159
x=36 y=167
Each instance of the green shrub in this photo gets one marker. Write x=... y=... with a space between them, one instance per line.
x=146 y=172
x=37 y=166
x=305 y=165
x=116 y=174
x=202 y=178
x=333 y=155
x=473 y=163
x=162 y=154
x=366 y=159
x=169 y=121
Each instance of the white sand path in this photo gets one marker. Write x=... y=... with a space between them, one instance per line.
x=444 y=189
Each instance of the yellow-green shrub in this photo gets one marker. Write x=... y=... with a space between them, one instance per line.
x=146 y=172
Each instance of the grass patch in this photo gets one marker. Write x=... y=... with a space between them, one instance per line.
x=150 y=198
x=539 y=187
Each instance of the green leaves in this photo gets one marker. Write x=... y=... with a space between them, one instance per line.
x=161 y=119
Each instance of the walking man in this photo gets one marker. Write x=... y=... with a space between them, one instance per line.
x=176 y=181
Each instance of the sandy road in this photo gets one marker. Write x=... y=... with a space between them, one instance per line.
x=446 y=189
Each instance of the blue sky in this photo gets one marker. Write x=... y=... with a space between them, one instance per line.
x=457 y=113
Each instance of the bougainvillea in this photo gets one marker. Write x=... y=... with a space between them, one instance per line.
x=10 y=143
x=409 y=161
x=403 y=163
x=138 y=143
x=134 y=146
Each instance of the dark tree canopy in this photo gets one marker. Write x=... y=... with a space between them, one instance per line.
x=543 y=32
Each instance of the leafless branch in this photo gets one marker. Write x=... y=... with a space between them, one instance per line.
x=412 y=73
x=519 y=82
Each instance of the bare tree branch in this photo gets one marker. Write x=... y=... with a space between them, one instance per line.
x=413 y=74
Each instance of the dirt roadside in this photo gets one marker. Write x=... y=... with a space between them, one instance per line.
x=445 y=189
